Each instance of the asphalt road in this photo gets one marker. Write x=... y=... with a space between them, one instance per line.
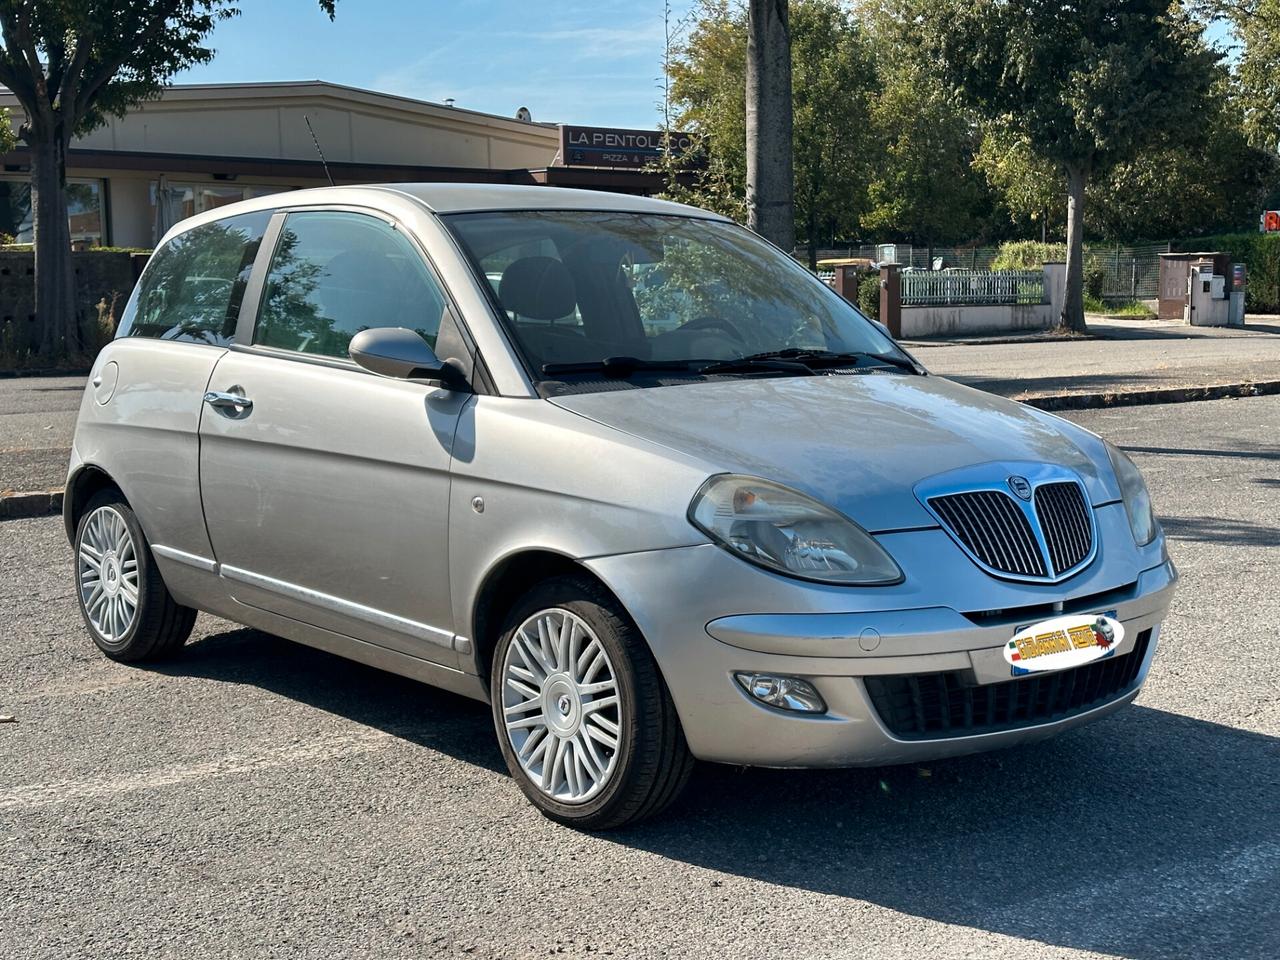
x=37 y=422
x=1126 y=355
x=260 y=799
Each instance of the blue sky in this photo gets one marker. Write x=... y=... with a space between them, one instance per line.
x=582 y=61
x=592 y=62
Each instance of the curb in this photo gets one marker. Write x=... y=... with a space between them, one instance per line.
x=36 y=503
x=1135 y=398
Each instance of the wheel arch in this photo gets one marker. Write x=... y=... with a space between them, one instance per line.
x=81 y=487
x=506 y=582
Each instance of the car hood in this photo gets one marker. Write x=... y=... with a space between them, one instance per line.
x=859 y=443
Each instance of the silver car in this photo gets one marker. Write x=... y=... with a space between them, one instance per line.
x=615 y=466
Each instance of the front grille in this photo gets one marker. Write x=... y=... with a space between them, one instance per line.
x=930 y=706
x=993 y=529
x=1064 y=520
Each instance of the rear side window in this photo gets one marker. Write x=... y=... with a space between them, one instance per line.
x=192 y=288
x=334 y=274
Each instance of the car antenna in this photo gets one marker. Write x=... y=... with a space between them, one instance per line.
x=316 y=141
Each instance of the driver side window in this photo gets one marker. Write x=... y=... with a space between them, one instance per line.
x=334 y=274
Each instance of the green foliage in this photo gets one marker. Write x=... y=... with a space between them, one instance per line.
x=1030 y=186
x=1028 y=255
x=1033 y=255
x=833 y=77
x=869 y=295
x=1259 y=252
x=1256 y=28
x=1124 y=308
x=1087 y=85
x=924 y=186
x=1217 y=185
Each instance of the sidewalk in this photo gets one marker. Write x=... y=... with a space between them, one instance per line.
x=1122 y=360
x=1122 y=363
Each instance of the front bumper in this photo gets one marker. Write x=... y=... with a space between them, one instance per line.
x=681 y=599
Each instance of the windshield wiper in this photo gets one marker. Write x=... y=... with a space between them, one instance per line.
x=815 y=359
x=754 y=363
x=621 y=367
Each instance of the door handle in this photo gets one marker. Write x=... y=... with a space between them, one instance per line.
x=233 y=402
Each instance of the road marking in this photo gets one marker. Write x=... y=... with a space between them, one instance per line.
x=320 y=749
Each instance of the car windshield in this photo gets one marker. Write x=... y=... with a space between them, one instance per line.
x=627 y=294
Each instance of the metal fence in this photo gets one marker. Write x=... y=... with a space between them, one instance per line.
x=1117 y=272
x=1128 y=273
x=921 y=288
x=972 y=258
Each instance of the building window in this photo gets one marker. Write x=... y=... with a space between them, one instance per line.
x=177 y=201
x=84 y=211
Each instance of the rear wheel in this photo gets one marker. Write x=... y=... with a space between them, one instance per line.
x=583 y=716
x=125 y=604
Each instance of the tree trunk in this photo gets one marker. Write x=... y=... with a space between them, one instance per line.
x=1073 y=306
x=770 y=177
x=55 y=274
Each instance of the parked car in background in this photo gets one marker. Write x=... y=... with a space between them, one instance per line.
x=612 y=464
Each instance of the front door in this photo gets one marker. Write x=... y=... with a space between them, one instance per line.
x=326 y=493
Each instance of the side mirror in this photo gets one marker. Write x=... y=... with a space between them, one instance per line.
x=401 y=354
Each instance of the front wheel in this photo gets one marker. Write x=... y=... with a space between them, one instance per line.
x=583 y=716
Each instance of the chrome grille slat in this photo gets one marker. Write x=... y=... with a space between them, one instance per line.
x=999 y=533
x=994 y=529
x=1063 y=513
x=1007 y=548
x=1019 y=557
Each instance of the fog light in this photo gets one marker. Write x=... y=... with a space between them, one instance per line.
x=785 y=693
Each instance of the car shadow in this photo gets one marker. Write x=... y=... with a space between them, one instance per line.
x=404 y=708
x=1120 y=838
x=1147 y=835
x=1221 y=530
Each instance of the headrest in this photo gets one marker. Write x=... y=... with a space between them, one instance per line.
x=539 y=288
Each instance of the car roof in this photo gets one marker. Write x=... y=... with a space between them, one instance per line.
x=450 y=198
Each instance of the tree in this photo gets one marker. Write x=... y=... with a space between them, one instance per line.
x=1176 y=192
x=70 y=63
x=770 y=177
x=1087 y=84
x=1027 y=183
x=1256 y=25
x=923 y=186
x=833 y=143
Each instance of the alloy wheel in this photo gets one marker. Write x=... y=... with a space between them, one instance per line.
x=560 y=706
x=107 y=572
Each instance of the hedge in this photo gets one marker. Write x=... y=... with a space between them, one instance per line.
x=1259 y=252
x=1033 y=254
x=869 y=295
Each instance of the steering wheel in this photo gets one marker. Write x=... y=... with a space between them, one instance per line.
x=708 y=322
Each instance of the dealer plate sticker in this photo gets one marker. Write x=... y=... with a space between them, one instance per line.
x=1063 y=642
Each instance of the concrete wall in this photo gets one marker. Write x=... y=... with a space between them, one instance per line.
x=942 y=321
x=103 y=284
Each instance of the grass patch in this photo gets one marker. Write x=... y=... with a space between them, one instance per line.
x=1117 y=308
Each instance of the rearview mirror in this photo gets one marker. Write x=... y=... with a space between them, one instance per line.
x=401 y=354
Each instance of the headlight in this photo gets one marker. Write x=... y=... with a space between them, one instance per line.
x=1137 y=501
x=788 y=532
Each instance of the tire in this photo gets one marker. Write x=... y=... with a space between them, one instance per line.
x=602 y=781
x=114 y=565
